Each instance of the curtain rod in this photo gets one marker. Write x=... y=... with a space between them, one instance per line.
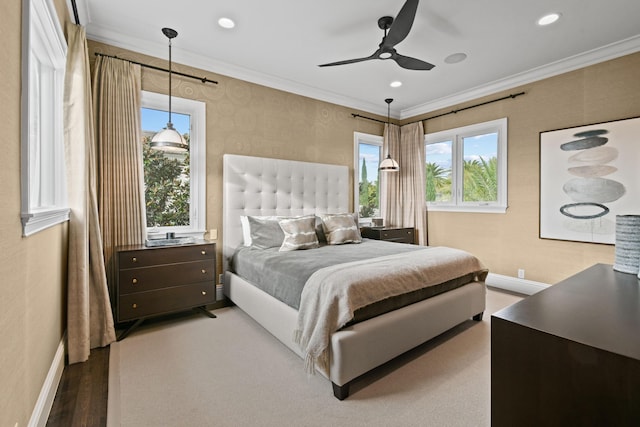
x=153 y=67
x=513 y=95
x=368 y=118
x=74 y=6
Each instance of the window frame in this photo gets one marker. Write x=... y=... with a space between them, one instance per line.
x=44 y=201
x=457 y=136
x=197 y=152
x=363 y=138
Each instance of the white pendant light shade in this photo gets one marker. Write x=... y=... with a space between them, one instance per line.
x=389 y=165
x=169 y=139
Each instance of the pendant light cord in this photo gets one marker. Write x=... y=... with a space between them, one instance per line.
x=170 y=123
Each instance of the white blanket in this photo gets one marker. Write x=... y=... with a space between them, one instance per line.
x=332 y=294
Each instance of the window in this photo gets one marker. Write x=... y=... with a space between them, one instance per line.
x=466 y=168
x=43 y=181
x=368 y=155
x=174 y=183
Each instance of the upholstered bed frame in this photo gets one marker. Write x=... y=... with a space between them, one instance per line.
x=260 y=186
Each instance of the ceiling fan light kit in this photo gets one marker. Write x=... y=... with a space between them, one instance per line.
x=395 y=31
x=168 y=139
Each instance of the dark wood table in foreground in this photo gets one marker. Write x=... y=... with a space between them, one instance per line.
x=570 y=354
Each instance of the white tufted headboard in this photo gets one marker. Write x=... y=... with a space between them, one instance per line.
x=262 y=186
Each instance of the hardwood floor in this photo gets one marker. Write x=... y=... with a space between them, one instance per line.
x=81 y=399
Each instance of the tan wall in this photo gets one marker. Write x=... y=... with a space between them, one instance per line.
x=249 y=119
x=33 y=269
x=243 y=118
x=507 y=242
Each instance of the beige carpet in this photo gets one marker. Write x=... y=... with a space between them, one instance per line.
x=196 y=371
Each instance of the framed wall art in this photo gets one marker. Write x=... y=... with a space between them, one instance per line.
x=588 y=175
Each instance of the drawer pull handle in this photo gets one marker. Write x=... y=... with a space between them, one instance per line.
x=204 y=292
x=134 y=305
x=204 y=271
x=203 y=252
x=134 y=259
x=134 y=281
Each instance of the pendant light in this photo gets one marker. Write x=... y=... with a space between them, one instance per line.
x=169 y=139
x=388 y=164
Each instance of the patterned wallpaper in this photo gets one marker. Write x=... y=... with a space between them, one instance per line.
x=250 y=119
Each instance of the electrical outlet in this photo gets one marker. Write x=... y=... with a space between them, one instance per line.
x=521 y=273
x=213 y=234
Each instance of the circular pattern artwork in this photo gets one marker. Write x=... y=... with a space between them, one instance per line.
x=590 y=190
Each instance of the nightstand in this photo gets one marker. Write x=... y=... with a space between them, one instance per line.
x=390 y=234
x=152 y=281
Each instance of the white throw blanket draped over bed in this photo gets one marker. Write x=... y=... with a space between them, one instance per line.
x=332 y=294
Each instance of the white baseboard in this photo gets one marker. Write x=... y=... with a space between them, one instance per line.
x=41 y=411
x=513 y=284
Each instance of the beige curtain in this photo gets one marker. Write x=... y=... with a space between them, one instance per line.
x=89 y=318
x=390 y=181
x=117 y=92
x=403 y=202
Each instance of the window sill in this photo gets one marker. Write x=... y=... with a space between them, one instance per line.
x=156 y=234
x=469 y=209
x=38 y=221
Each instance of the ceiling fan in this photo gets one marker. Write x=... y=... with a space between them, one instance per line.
x=398 y=31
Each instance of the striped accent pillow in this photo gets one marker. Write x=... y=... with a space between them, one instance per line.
x=341 y=228
x=299 y=233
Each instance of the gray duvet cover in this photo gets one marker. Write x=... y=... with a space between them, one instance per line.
x=284 y=274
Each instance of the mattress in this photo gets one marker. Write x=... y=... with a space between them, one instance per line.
x=284 y=274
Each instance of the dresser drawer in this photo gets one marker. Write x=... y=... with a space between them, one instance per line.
x=166 y=275
x=398 y=235
x=164 y=255
x=404 y=235
x=143 y=304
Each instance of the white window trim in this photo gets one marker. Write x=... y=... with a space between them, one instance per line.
x=43 y=176
x=358 y=138
x=197 y=150
x=456 y=205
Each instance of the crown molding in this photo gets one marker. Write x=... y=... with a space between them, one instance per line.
x=104 y=35
x=611 y=51
x=605 y=53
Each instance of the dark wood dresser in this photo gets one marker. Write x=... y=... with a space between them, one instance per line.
x=570 y=354
x=390 y=234
x=158 y=280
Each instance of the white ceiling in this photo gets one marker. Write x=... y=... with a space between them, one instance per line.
x=279 y=43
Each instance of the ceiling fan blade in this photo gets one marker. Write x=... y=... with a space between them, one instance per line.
x=349 y=61
x=401 y=24
x=411 y=63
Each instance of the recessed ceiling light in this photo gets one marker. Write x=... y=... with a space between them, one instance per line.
x=455 y=58
x=396 y=84
x=226 y=23
x=548 y=19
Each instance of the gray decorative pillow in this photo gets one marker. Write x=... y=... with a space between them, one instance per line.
x=299 y=233
x=265 y=232
x=341 y=228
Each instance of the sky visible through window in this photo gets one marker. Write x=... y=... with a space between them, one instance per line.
x=484 y=146
x=156 y=120
x=371 y=155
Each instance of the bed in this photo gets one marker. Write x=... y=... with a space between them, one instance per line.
x=256 y=186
